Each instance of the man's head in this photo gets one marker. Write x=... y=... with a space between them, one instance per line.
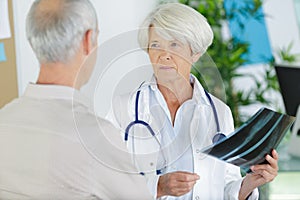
x=56 y=28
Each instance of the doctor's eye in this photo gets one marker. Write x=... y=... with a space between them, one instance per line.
x=154 y=45
x=174 y=44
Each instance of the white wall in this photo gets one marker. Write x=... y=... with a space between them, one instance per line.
x=115 y=17
x=118 y=19
x=27 y=65
x=282 y=24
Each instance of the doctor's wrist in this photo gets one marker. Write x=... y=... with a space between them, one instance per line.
x=246 y=188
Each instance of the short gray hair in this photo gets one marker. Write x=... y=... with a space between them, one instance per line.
x=55 y=34
x=178 y=21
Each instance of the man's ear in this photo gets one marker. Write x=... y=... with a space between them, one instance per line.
x=196 y=57
x=87 y=42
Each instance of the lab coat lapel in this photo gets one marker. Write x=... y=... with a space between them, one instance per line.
x=204 y=166
x=202 y=126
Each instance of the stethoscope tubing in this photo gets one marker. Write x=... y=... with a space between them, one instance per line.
x=217 y=137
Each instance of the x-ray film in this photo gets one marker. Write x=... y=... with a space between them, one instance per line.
x=249 y=144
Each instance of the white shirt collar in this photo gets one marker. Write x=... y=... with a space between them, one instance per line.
x=199 y=95
x=198 y=91
x=40 y=91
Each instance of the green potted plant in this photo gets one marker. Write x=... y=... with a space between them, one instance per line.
x=228 y=55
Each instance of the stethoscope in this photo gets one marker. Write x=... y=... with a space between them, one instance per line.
x=217 y=137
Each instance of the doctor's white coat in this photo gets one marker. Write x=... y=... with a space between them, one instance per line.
x=218 y=180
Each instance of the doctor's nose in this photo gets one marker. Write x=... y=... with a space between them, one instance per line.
x=165 y=55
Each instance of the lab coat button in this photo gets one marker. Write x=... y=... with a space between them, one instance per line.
x=198 y=151
x=197 y=197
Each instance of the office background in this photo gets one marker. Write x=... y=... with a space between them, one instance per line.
x=118 y=17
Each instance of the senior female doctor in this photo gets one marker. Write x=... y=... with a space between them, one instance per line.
x=179 y=116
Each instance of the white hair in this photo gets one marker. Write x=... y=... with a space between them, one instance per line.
x=55 y=34
x=178 y=21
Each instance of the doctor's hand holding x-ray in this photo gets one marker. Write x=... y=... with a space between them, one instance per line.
x=170 y=118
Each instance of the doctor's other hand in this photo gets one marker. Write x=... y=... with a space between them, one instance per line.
x=176 y=183
x=261 y=174
x=265 y=173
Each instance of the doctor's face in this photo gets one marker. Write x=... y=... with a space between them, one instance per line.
x=170 y=59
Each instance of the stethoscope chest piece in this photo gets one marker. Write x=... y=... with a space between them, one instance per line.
x=218 y=137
